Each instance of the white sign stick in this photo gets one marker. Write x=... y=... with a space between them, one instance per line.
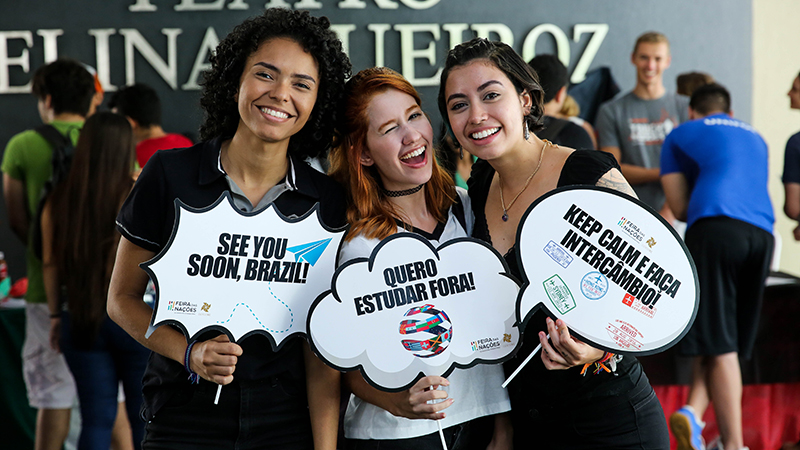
x=524 y=363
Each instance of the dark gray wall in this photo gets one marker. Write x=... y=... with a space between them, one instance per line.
x=714 y=36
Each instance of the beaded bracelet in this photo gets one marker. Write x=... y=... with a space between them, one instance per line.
x=194 y=378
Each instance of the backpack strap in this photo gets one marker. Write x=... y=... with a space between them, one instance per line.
x=62 y=153
x=60 y=161
x=53 y=136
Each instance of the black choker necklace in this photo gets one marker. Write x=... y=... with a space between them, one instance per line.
x=402 y=193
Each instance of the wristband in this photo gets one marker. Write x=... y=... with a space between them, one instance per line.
x=55 y=316
x=599 y=364
x=194 y=378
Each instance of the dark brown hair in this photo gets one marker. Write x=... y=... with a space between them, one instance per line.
x=83 y=210
x=509 y=62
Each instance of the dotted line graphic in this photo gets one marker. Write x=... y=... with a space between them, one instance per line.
x=291 y=314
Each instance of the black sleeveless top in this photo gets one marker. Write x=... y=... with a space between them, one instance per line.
x=537 y=388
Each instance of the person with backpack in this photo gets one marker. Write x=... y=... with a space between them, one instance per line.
x=554 y=77
x=66 y=95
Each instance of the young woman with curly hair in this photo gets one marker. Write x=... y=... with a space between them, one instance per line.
x=386 y=159
x=492 y=103
x=270 y=100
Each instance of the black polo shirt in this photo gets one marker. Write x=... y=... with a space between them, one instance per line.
x=193 y=175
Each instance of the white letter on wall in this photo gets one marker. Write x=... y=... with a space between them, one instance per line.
x=456 y=32
x=484 y=30
x=343 y=32
x=360 y=4
x=308 y=4
x=238 y=4
x=210 y=42
x=419 y=4
x=599 y=32
x=192 y=5
x=23 y=60
x=50 y=38
x=409 y=54
x=142 y=6
x=135 y=41
x=103 y=56
x=379 y=29
x=562 y=42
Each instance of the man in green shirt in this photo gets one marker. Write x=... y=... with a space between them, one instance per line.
x=65 y=91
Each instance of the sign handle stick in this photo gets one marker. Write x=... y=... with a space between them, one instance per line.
x=219 y=390
x=524 y=363
x=441 y=434
x=439 y=424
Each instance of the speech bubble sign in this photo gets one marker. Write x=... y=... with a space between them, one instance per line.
x=411 y=310
x=242 y=273
x=610 y=267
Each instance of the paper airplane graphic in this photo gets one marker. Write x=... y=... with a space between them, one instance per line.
x=310 y=252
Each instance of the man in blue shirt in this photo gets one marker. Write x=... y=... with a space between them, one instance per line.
x=714 y=172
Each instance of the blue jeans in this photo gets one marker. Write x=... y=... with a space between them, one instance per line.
x=114 y=357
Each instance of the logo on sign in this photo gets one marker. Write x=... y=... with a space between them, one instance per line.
x=631 y=229
x=559 y=294
x=181 y=307
x=594 y=285
x=558 y=254
x=434 y=328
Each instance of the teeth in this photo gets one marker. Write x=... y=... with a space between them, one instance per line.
x=410 y=155
x=485 y=133
x=274 y=113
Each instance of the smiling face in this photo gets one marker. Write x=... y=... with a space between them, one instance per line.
x=277 y=90
x=651 y=60
x=399 y=140
x=794 y=94
x=485 y=111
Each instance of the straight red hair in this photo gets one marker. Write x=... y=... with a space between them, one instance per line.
x=369 y=211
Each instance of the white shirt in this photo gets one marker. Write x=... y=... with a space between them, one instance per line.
x=476 y=390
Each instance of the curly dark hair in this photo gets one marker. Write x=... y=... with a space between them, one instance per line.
x=509 y=62
x=221 y=83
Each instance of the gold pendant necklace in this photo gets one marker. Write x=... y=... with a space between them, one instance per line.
x=527 y=183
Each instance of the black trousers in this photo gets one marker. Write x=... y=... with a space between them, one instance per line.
x=265 y=414
x=631 y=420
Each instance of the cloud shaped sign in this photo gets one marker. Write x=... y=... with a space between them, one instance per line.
x=412 y=310
x=242 y=273
x=610 y=267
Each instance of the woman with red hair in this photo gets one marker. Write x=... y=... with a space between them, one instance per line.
x=386 y=160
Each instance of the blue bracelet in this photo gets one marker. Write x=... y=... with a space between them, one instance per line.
x=194 y=378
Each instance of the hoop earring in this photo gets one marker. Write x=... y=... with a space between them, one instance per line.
x=526 y=133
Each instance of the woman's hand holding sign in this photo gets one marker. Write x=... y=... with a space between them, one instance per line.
x=413 y=403
x=564 y=351
x=215 y=359
x=424 y=400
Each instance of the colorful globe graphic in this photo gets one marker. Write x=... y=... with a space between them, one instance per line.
x=432 y=329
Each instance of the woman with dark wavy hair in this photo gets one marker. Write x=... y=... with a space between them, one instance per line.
x=79 y=241
x=386 y=159
x=575 y=396
x=270 y=100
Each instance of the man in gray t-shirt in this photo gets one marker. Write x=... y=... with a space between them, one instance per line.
x=633 y=127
